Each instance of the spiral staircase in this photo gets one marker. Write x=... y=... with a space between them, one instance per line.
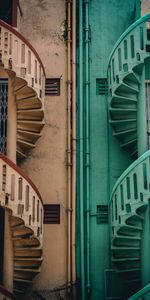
x=130 y=197
x=23 y=65
x=18 y=195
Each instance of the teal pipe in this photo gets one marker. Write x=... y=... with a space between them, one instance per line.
x=87 y=145
x=81 y=198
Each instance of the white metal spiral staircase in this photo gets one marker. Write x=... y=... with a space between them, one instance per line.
x=22 y=63
x=17 y=192
x=131 y=193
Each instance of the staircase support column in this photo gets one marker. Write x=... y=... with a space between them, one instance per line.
x=145 y=255
x=8 y=253
x=141 y=117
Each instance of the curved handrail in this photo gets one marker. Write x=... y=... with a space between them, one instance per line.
x=5 y=292
x=129 y=169
x=126 y=32
x=21 y=172
x=140 y=293
x=21 y=37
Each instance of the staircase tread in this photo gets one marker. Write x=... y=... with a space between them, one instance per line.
x=28 y=259
x=125 y=248
x=122 y=121
x=129 y=270
x=124 y=131
x=129 y=142
x=125 y=259
x=128 y=87
x=25 y=142
x=123 y=98
x=27 y=270
x=22 y=280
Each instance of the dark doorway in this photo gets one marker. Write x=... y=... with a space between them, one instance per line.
x=6 y=11
x=1 y=243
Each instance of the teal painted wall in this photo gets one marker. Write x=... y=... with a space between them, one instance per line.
x=107 y=20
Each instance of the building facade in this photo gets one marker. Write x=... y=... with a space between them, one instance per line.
x=74 y=101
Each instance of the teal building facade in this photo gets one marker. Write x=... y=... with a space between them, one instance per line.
x=113 y=45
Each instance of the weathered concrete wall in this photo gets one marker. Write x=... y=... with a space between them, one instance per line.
x=145 y=7
x=43 y=24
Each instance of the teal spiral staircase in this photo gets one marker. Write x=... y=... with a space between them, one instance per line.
x=130 y=200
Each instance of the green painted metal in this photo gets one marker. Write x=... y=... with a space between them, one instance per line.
x=128 y=31
x=129 y=209
x=126 y=73
x=143 y=294
x=97 y=35
x=129 y=170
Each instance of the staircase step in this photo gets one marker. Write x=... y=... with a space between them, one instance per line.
x=133 y=78
x=27 y=252
x=32 y=126
x=125 y=132
x=25 y=144
x=126 y=259
x=126 y=89
x=123 y=121
x=129 y=270
x=128 y=230
x=25 y=281
x=28 y=242
x=30 y=114
x=123 y=99
x=129 y=143
x=28 y=262
x=20 y=88
x=20 y=154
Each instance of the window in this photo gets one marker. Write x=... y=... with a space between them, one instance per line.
x=52 y=87
x=51 y=214
x=102 y=214
x=8 y=11
x=101 y=86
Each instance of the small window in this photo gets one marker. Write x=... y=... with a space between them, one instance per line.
x=52 y=87
x=101 y=86
x=52 y=214
x=102 y=214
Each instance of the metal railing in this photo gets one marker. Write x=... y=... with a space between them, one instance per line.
x=131 y=190
x=18 y=55
x=131 y=48
x=143 y=294
x=19 y=194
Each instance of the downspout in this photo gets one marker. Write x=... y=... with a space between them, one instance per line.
x=69 y=279
x=81 y=198
x=87 y=145
x=73 y=141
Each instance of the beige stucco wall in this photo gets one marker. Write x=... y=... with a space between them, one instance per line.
x=43 y=24
x=145 y=7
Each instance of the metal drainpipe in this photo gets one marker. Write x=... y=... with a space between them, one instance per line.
x=81 y=198
x=87 y=144
x=69 y=279
x=73 y=140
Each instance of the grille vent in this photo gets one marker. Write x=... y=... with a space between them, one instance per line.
x=101 y=86
x=102 y=214
x=51 y=214
x=52 y=87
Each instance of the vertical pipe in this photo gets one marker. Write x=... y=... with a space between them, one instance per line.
x=87 y=144
x=69 y=142
x=81 y=147
x=141 y=117
x=73 y=139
